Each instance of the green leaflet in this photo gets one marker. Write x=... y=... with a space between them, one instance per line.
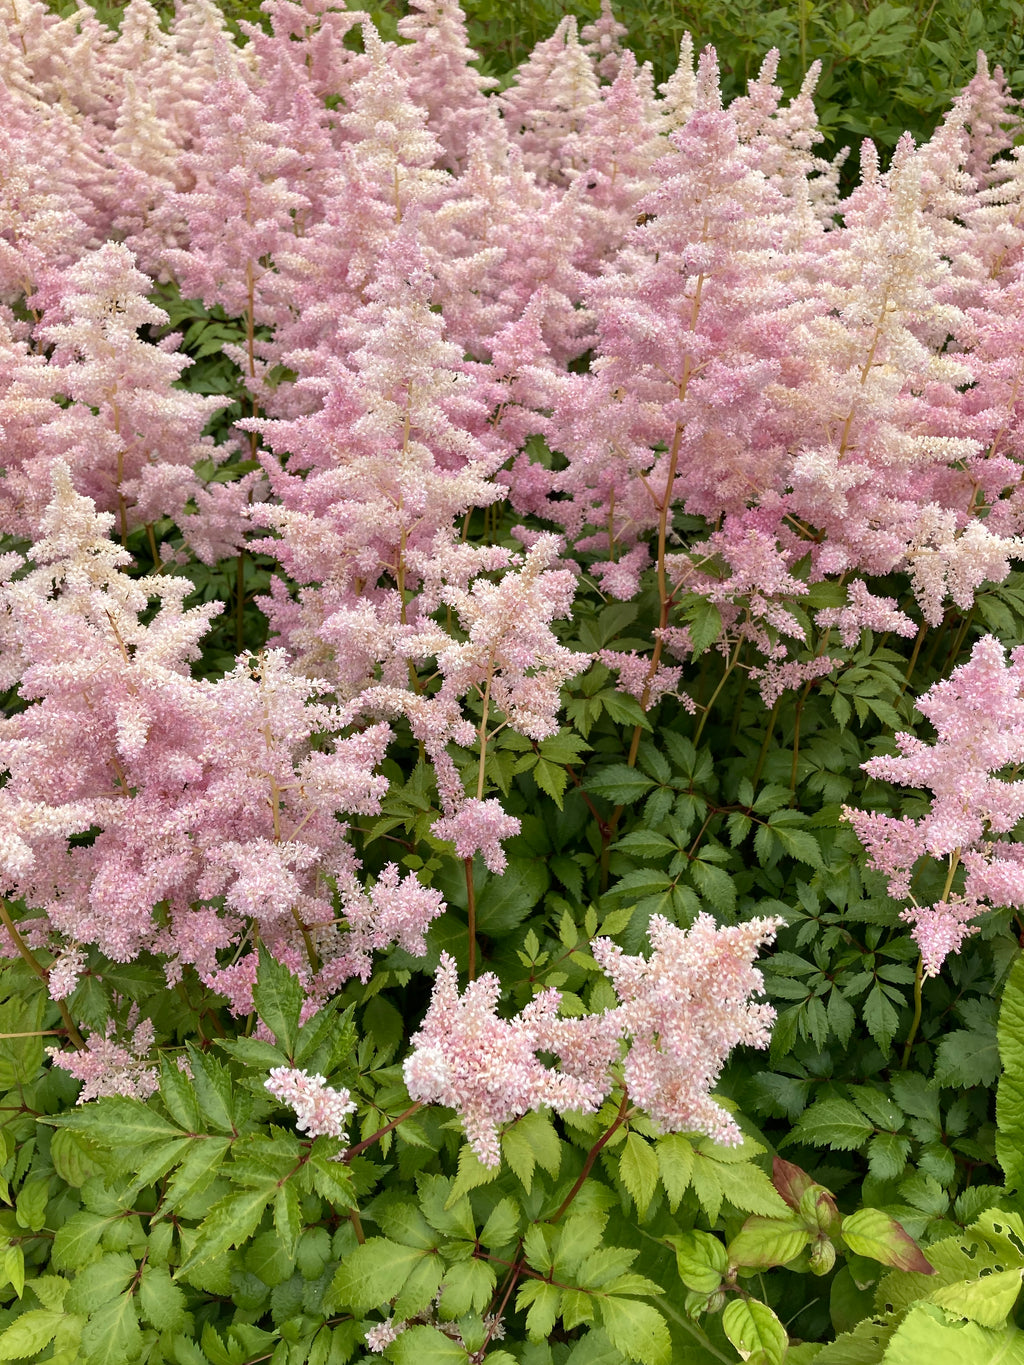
x=118 y=1121
x=373 y=1274
x=278 y=995
x=926 y=1334
x=1010 y=1095
x=426 y=1346
x=29 y=1333
x=112 y=1335
x=638 y=1168
x=230 y=1222
x=637 y=1329
x=754 y=1329
x=872 y=1233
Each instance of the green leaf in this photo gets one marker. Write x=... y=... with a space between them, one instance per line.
x=638 y=1168
x=472 y=1172
x=565 y=747
x=118 y=1122
x=214 y=1089
x=197 y=1171
x=100 y=1282
x=253 y=1052
x=468 y=1285
x=287 y=1216
x=763 y=1242
x=988 y=1301
x=705 y=622
x=74 y=1241
x=161 y=1301
x=715 y=885
x=372 y=1274
x=707 y=1186
x=675 y=1163
x=872 y=1233
x=887 y=1155
x=551 y=778
x=752 y=1327
x=73 y=1159
x=420 y=1287
x=31 y=1202
x=12 y=1272
x=112 y=1335
x=423 y=1345
x=880 y=1016
x=331 y=1180
x=798 y=843
x=29 y=1333
x=624 y=709
x=502 y=1225
x=968 y=1057
x=543 y=1301
x=926 y=1335
x=268 y=1259
x=747 y=1186
x=231 y=1221
x=832 y=1122
x=637 y=1329
x=1010 y=1095
x=645 y=843
x=619 y=784
x=529 y=1141
x=279 y=997
x=179 y=1095
x=701 y=1260
x=865 y=1345
x=506 y=901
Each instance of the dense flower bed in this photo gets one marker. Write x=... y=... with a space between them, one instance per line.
x=509 y=825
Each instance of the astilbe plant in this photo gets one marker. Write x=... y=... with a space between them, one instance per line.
x=592 y=483
x=978 y=716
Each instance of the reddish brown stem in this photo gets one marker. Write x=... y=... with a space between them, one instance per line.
x=361 y=1147
x=37 y=969
x=592 y=1155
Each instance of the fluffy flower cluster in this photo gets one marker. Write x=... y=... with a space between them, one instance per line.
x=469 y=1058
x=683 y=1011
x=108 y=1067
x=319 y=1110
x=206 y=805
x=415 y=271
x=976 y=800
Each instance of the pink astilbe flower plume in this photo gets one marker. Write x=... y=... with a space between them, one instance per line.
x=684 y=1009
x=615 y=154
x=208 y=806
x=400 y=448
x=240 y=212
x=978 y=715
x=128 y=436
x=108 y=1067
x=467 y=1057
x=602 y=41
x=690 y=333
x=320 y=1111
x=438 y=66
x=545 y=105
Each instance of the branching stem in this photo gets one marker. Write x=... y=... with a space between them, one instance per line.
x=37 y=969
x=625 y=1112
